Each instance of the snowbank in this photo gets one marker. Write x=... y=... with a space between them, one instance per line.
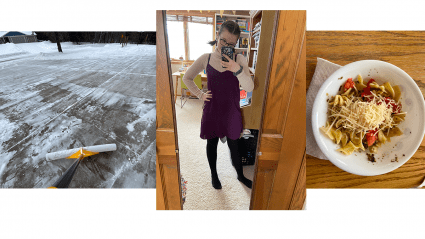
x=49 y=51
x=9 y=48
x=32 y=48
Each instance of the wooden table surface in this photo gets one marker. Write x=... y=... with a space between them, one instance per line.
x=403 y=49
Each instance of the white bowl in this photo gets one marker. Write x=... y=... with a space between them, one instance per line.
x=401 y=147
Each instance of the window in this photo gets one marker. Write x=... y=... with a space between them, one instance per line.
x=175 y=39
x=199 y=36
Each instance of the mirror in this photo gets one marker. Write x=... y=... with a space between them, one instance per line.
x=216 y=171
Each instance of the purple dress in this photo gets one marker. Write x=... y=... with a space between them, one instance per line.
x=221 y=115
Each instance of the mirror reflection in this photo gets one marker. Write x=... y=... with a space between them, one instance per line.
x=213 y=56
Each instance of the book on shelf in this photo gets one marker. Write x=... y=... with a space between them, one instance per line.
x=254 y=60
x=245 y=98
x=219 y=21
x=242 y=23
x=243 y=42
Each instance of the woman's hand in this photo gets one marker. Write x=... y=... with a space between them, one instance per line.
x=231 y=65
x=206 y=96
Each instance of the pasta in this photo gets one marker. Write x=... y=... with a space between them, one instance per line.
x=363 y=116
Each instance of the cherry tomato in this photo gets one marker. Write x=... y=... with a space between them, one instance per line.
x=371 y=137
x=349 y=84
x=366 y=91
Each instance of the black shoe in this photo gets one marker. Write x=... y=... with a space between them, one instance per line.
x=245 y=181
x=215 y=182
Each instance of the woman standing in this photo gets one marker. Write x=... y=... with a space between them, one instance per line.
x=221 y=118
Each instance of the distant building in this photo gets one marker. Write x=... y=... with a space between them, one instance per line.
x=17 y=37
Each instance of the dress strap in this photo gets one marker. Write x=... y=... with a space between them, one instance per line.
x=209 y=56
x=236 y=57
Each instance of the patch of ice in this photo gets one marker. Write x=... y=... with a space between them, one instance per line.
x=4 y=160
x=130 y=126
x=150 y=115
x=6 y=130
x=90 y=108
x=114 y=99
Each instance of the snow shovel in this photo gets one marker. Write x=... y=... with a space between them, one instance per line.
x=78 y=154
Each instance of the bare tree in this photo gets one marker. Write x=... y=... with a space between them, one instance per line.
x=58 y=42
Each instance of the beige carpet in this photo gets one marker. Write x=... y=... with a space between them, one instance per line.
x=194 y=168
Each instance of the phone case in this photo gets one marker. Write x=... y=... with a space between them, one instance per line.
x=227 y=51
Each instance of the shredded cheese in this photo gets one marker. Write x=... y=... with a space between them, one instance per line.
x=360 y=116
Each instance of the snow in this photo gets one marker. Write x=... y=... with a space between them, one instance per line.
x=88 y=51
x=31 y=48
x=88 y=95
x=6 y=132
x=148 y=118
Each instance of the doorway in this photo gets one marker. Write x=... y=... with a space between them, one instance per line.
x=188 y=34
x=278 y=172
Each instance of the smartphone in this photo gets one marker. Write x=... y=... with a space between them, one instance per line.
x=227 y=50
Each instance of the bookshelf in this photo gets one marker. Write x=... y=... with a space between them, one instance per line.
x=244 y=22
x=255 y=33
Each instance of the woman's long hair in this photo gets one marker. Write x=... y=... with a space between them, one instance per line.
x=231 y=27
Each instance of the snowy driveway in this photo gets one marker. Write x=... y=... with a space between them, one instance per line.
x=88 y=95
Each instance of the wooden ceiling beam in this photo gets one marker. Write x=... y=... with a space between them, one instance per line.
x=191 y=13
x=205 y=13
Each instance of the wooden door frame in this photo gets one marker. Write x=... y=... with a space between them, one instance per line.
x=168 y=179
x=266 y=85
x=282 y=183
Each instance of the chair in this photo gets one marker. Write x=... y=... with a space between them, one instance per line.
x=184 y=89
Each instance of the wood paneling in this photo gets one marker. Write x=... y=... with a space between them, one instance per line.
x=299 y=195
x=282 y=141
x=160 y=203
x=168 y=172
x=405 y=49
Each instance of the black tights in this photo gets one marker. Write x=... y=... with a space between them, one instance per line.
x=236 y=161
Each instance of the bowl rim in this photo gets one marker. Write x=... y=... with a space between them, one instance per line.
x=316 y=130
